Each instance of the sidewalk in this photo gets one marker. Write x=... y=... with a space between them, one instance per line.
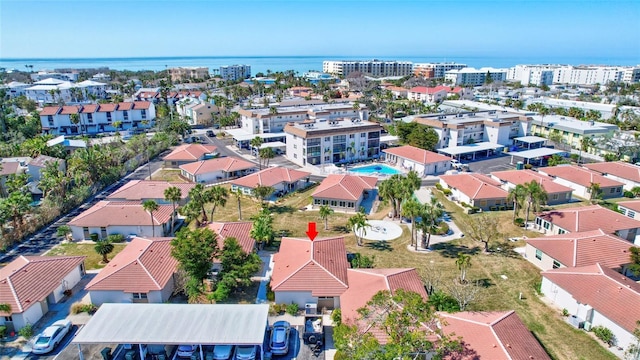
x=267 y=269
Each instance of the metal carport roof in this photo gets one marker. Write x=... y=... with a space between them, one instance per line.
x=168 y=324
x=471 y=148
x=530 y=139
x=536 y=153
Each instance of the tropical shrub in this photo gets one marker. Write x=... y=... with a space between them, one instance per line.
x=603 y=334
x=292 y=309
x=336 y=317
x=26 y=332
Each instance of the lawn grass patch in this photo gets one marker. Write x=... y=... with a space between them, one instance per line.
x=171 y=175
x=93 y=260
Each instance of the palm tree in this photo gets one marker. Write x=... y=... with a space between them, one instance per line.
x=595 y=192
x=411 y=209
x=262 y=229
x=430 y=213
x=585 y=143
x=263 y=192
x=266 y=154
x=517 y=196
x=151 y=206
x=255 y=144
x=536 y=196
x=173 y=194
x=325 y=212
x=463 y=262
x=389 y=190
x=198 y=197
x=217 y=196
x=358 y=222
x=238 y=194
x=104 y=248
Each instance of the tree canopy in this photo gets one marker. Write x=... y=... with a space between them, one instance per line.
x=194 y=250
x=417 y=135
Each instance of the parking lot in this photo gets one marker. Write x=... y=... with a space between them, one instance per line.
x=497 y=162
x=297 y=348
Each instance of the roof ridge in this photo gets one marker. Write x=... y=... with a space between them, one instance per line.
x=14 y=293
x=293 y=273
x=145 y=268
x=500 y=340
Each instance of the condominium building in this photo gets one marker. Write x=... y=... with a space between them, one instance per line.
x=317 y=142
x=435 y=70
x=274 y=119
x=42 y=75
x=378 y=68
x=474 y=77
x=97 y=118
x=591 y=75
x=235 y=72
x=497 y=127
x=531 y=74
x=52 y=90
x=183 y=73
x=572 y=130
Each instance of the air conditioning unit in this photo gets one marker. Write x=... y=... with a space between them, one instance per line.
x=311 y=309
x=586 y=326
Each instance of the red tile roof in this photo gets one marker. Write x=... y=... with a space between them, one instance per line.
x=318 y=266
x=141 y=105
x=519 y=177
x=632 y=204
x=475 y=186
x=620 y=169
x=123 y=213
x=492 y=335
x=226 y=164
x=107 y=107
x=270 y=177
x=589 y=218
x=8 y=168
x=364 y=283
x=579 y=175
x=71 y=109
x=239 y=230
x=344 y=187
x=50 y=110
x=611 y=294
x=138 y=190
x=143 y=265
x=90 y=108
x=125 y=106
x=585 y=248
x=429 y=90
x=417 y=155
x=29 y=279
x=190 y=152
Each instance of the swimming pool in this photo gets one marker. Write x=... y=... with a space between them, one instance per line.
x=377 y=169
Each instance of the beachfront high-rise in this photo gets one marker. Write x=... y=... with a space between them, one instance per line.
x=378 y=68
x=235 y=72
x=190 y=72
x=435 y=70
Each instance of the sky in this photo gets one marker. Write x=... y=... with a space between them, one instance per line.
x=146 y=28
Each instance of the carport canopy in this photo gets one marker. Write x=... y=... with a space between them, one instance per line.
x=275 y=144
x=529 y=140
x=175 y=324
x=454 y=151
x=534 y=153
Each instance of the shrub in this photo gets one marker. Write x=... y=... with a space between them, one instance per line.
x=464 y=204
x=443 y=228
x=336 y=317
x=447 y=192
x=519 y=222
x=26 y=332
x=115 y=238
x=438 y=186
x=271 y=296
x=574 y=157
x=628 y=194
x=93 y=237
x=528 y=166
x=362 y=261
x=78 y=308
x=603 y=334
x=443 y=302
x=292 y=309
x=565 y=312
x=3 y=330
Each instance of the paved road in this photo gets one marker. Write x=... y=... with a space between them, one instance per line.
x=46 y=238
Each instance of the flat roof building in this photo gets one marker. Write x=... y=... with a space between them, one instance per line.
x=375 y=67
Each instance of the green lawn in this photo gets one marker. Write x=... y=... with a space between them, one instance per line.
x=93 y=260
x=560 y=339
x=167 y=175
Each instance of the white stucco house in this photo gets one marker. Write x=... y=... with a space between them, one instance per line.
x=310 y=272
x=30 y=284
x=216 y=170
x=630 y=209
x=596 y=296
x=626 y=173
x=121 y=217
x=476 y=190
x=422 y=161
x=143 y=272
x=580 y=180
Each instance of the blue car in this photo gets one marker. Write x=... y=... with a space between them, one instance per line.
x=280 y=338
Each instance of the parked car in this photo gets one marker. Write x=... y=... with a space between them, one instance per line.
x=47 y=340
x=186 y=350
x=279 y=343
x=222 y=352
x=245 y=352
x=210 y=133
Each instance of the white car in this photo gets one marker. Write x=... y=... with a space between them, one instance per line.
x=245 y=352
x=47 y=340
x=186 y=351
x=222 y=352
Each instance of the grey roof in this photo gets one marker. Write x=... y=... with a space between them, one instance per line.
x=531 y=139
x=536 y=153
x=465 y=149
x=176 y=324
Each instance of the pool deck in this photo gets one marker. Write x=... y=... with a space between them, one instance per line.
x=380 y=230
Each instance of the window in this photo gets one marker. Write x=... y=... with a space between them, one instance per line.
x=342 y=203
x=50 y=119
x=612 y=191
x=8 y=319
x=328 y=138
x=555 y=197
x=333 y=203
x=316 y=201
x=352 y=136
x=139 y=295
x=560 y=231
x=90 y=118
x=547 y=225
x=363 y=135
x=108 y=117
x=125 y=115
x=143 y=113
x=556 y=264
x=295 y=146
x=295 y=156
x=325 y=202
x=618 y=190
x=538 y=254
x=631 y=214
x=351 y=204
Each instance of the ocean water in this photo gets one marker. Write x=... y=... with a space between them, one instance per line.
x=300 y=64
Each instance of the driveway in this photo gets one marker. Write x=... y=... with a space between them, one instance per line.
x=487 y=165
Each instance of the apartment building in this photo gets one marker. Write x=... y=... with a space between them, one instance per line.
x=531 y=74
x=497 y=127
x=97 y=118
x=572 y=130
x=378 y=68
x=474 y=77
x=591 y=75
x=42 y=75
x=274 y=119
x=235 y=72
x=323 y=141
x=52 y=90
x=183 y=73
x=435 y=70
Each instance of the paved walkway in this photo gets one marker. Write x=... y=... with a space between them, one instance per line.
x=436 y=239
x=380 y=230
x=265 y=277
